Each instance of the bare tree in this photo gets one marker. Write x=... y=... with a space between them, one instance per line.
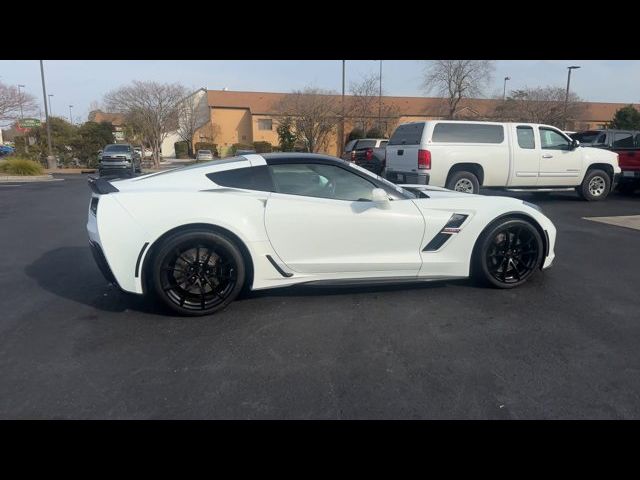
x=313 y=113
x=366 y=108
x=152 y=108
x=457 y=79
x=539 y=105
x=13 y=103
x=193 y=113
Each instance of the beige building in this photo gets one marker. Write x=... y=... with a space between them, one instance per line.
x=247 y=117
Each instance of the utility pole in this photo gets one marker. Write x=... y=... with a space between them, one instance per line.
x=50 y=158
x=566 y=98
x=341 y=142
x=70 y=115
x=21 y=101
x=50 y=109
x=504 y=90
x=380 y=101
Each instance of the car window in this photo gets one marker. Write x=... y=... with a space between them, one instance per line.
x=383 y=144
x=526 y=139
x=206 y=152
x=468 y=133
x=250 y=178
x=407 y=134
x=365 y=144
x=622 y=140
x=349 y=146
x=637 y=142
x=587 y=138
x=117 y=148
x=322 y=181
x=553 y=140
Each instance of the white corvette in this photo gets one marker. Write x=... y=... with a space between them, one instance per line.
x=194 y=237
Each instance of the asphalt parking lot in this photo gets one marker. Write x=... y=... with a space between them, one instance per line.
x=565 y=345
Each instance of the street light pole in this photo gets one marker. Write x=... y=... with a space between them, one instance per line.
x=380 y=101
x=566 y=98
x=70 y=116
x=50 y=109
x=504 y=90
x=341 y=142
x=50 y=158
x=21 y=101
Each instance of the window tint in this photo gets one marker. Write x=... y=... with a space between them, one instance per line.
x=323 y=181
x=251 y=178
x=365 y=144
x=622 y=140
x=117 y=148
x=553 y=140
x=525 y=137
x=587 y=138
x=407 y=134
x=468 y=133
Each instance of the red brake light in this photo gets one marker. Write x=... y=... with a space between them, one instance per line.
x=369 y=154
x=424 y=159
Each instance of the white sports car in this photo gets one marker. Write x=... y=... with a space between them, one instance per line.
x=194 y=237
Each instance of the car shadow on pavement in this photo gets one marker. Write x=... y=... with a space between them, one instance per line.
x=71 y=273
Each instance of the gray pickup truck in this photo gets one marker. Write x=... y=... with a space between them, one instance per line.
x=118 y=159
x=369 y=153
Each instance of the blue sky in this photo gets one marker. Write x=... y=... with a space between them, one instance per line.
x=79 y=82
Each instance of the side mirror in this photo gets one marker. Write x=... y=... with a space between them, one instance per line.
x=380 y=197
x=575 y=144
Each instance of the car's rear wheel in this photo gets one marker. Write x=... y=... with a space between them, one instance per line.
x=463 y=181
x=508 y=253
x=197 y=272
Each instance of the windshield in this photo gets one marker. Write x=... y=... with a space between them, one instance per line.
x=392 y=186
x=205 y=152
x=586 y=137
x=117 y=148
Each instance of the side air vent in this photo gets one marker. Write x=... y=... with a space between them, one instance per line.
x=451 y=228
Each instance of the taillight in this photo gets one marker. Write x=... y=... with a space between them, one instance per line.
x=424 y=159
x=369 y=154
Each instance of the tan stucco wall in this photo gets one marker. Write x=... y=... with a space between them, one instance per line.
x=235 y=125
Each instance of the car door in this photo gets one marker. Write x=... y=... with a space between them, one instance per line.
x=560 y=164
x=321 y=219
x=525 y=152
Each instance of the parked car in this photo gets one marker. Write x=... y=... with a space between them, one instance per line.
x=351 y=146
x=118 y=159
x=203 y=155
x=465 y=156
x=6 y=150
x=369 y=153
x=626 y=143
x=291 y=218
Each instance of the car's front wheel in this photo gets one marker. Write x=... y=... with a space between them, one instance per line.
x=507 y=253
x=197 y=272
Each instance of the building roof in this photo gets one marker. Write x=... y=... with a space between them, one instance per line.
x=99 y=116
x=265 y=103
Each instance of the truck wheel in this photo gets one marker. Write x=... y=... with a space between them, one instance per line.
x=595 y=186
x=463 y=181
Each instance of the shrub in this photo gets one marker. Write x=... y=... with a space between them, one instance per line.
x=20 y=166
x=262 y=147
x=374 y=133
x=182 y=149
x=206 y=146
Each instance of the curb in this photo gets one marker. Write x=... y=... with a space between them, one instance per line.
x=24 y=178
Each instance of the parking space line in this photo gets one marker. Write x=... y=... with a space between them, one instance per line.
x=627 y=221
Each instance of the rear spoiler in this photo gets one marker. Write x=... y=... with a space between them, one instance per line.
x=101 y=186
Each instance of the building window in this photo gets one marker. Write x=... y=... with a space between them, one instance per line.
x=265 y=124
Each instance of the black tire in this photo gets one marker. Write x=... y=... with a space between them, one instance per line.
x=507 y=253
x=463 y=181
x=595 y=186
x=197 y=272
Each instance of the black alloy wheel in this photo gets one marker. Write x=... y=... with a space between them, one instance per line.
x=198 y=272
x=510 y=252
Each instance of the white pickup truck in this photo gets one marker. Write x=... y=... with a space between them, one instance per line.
x=465 y=155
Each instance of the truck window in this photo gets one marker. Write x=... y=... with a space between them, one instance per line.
x=468 y=133
x=525 y=137
x=407 y=134
x=638 y=140
x=365 y=144
x=553 y=140
x=622 y=140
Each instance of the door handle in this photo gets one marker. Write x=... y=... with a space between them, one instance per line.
x=546 y=155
